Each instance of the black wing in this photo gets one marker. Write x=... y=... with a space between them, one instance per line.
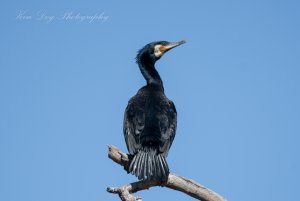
x=167 y=124
x=134 y=123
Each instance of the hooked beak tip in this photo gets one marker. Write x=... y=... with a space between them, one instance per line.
x=181 y=42
x=172 y=45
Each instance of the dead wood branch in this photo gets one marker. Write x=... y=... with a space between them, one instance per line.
x=175 y=182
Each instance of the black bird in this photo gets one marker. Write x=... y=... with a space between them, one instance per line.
x=150 y=118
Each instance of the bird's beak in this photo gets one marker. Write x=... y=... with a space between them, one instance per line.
x=172 y=45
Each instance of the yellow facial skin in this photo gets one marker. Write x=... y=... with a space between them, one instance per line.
x=159 y=50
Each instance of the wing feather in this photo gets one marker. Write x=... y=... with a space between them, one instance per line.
x=168 y=125
x=134 y=123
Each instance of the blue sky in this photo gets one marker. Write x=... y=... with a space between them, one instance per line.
x=65 y=84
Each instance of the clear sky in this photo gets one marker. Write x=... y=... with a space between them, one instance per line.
x=65 y=82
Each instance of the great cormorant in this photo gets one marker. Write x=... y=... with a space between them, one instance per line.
x=150 y=118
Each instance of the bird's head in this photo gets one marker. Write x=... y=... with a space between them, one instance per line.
x=152 y=52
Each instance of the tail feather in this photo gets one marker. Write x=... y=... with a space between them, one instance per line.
x=161 y=164
x=143 y=165
x=139 y=166
x=148 y=164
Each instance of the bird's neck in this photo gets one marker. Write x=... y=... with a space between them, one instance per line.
x=150 y=74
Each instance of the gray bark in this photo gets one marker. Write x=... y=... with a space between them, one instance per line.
x=174 y=182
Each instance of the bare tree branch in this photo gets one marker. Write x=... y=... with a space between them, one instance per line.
x=175 y=182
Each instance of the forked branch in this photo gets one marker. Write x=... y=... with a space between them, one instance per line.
x=175 y=182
